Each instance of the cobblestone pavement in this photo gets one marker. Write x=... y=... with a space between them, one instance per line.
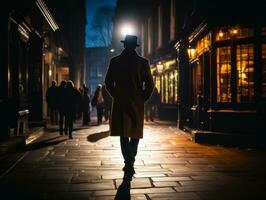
x=168 y=166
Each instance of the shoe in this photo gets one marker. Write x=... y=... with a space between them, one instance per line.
x=70 y=137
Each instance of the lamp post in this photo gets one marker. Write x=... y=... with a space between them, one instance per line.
x=127 y=29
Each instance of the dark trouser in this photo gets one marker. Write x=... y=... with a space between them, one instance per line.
x=86 y=116
x=129 y=148
x=149 y=112
x=99 y=114
x=53 y=115
x=61 y=121
x=69 y=123
x=106 y=113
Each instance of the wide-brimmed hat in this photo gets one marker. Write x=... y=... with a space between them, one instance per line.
x=131 y=39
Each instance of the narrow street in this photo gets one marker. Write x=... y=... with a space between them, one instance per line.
x=168 y=166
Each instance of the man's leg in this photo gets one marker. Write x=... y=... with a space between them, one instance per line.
x=70 y=124
x=133 y=144
x=152 y=113
x=124 y=143
x=61 y=121
x=66 y=123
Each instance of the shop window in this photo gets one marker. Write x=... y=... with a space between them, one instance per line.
x=166 y=88
x=176 y=85
x=245 y=73
x=234 y=33
x=263 y=71
x=171 y=87
x=158 y=83
x=162 y=89
x=223 y=74
x=203 y=44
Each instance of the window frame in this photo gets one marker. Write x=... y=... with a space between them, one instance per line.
x=233 y=45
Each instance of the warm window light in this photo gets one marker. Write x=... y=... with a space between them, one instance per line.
x=191 y=53
x=159 y=67
x=50 y=72
x=127 y=30
x=221 y=34
x=235 y=31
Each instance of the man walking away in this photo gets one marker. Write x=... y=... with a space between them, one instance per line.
x=129 y=82
x=86 y=107
x=61 y=97
x=71 y=101
x=98 y=102
x=52 y=103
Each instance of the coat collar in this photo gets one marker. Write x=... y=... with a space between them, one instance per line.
x=127 y=53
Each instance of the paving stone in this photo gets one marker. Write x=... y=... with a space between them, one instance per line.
x=137 y=183
x=175 y=196
x=165 y=184
x=92 y=186
x=171 y=178
x=168 y=166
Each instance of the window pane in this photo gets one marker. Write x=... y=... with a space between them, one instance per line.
x=166 y=87
x=245 y=73
x=223 y=74
x=176 y=85
x=162 y=89
x=228 y=33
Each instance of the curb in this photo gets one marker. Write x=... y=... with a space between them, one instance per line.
x=16 y=143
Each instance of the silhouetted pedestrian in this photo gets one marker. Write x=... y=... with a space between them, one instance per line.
x=52 y=102
x=130 y=83
x=152 y=105
x=107 y=103
x=98 y=102
x=61 y=97
x=86 y=107
x=71 y=101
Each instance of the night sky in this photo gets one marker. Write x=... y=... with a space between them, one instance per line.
x=92 y=6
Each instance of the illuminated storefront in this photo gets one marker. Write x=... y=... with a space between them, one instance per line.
x=165 y=75
x=227 y=78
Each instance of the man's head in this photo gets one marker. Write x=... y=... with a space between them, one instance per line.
x=130 y=42
x=53 y=83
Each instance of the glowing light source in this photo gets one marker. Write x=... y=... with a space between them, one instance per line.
x=221 y=34
x=234 y=31
x=159 y=67
x=191 y=53
x=112 y=50
x=127 y=29
x=50 y=72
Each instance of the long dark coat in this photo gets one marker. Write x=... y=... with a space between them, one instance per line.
x=129 y=82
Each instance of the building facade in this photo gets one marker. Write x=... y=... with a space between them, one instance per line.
x=38 y=46
x=221 y=59
x=207 y=60
x=97 y=63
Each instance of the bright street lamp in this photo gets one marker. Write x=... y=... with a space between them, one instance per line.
x=127 y=29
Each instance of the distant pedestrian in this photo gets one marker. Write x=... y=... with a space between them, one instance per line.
x=107 y=103
x=61 y=105
x=98 y=102
x=126 y=76
x=86 y=107
x=151 y=106
x=71 y=101
x=52 y=103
